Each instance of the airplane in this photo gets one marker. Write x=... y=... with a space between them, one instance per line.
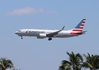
x=42 y=33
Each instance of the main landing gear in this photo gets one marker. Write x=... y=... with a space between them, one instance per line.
x=21 y=37
x=49 y=38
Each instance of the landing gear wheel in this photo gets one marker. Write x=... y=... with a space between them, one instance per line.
x=49 y=38
x=21 y=37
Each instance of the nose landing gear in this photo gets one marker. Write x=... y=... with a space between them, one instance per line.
x=21 y=37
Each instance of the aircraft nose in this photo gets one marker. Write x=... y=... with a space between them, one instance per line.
x=16 y=32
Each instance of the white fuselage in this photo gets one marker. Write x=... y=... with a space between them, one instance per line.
x=36 y=32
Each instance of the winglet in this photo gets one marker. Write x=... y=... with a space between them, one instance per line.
x=63 y=28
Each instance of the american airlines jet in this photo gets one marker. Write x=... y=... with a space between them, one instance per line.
x=42 y=33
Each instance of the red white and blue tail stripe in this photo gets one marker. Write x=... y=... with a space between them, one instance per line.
x=79 y=27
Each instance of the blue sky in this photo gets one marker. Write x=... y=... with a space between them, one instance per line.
x=40 y=54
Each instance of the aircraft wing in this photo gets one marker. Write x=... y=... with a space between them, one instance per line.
x=54 y=33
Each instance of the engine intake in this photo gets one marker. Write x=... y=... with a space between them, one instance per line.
x=41 y=36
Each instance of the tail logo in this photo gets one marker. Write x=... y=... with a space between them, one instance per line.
x=79 y=27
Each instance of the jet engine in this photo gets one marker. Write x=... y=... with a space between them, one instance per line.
x=41 y=36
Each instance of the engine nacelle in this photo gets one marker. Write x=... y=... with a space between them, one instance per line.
x=41 y=36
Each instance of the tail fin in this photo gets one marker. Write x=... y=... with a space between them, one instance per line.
x=81 y=24
x=79 y=27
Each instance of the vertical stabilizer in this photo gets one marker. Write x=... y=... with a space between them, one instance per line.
x=79 y=27
x=81 y=24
